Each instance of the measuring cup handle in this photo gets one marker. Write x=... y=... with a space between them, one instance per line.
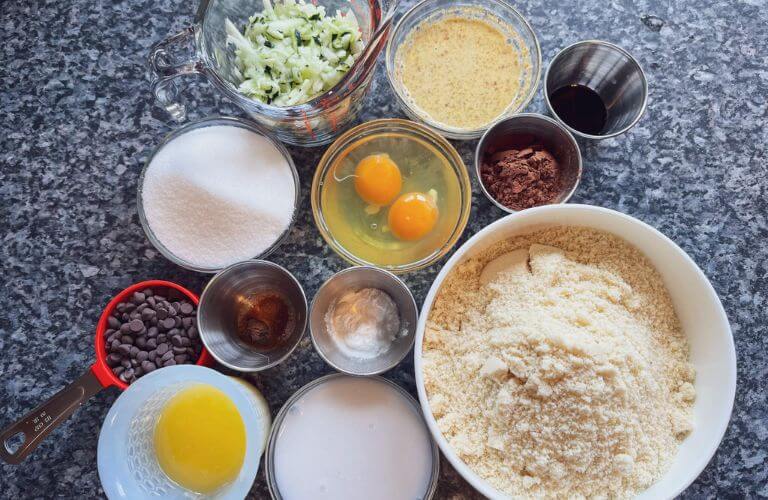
x=38 y=423
x=163 y=72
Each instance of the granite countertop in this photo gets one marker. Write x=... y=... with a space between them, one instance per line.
x=77 y=123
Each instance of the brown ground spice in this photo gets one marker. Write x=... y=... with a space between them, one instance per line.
x=522 y=178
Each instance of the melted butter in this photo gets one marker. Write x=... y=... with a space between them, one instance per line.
x=462 y=72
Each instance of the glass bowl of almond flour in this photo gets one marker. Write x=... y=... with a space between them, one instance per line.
x=574 y=351
x=216 y=192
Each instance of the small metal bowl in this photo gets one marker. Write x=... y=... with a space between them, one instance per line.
x=523 y=129
x=217 y=313
x=355 y=278
x=610 y=71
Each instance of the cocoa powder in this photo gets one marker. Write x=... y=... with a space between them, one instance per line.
x=522 y=178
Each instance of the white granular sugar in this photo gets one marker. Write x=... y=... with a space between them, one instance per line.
x=218 y=195
x=559 y=370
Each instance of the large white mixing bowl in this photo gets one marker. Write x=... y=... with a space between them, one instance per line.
x=696 y=303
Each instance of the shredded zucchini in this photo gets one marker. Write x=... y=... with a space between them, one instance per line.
x=291 y=51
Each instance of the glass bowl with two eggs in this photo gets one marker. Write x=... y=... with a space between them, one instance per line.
x=391 y=193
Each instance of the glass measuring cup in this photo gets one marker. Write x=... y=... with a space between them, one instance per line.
x=38 y=423
x=312 y=123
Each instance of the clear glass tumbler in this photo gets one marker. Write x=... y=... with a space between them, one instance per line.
x=312 y=123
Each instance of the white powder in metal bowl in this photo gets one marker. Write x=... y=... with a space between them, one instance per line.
x=556 y=367
x=218 y=195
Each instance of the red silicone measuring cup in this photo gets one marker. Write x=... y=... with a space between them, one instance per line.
x=38 y=423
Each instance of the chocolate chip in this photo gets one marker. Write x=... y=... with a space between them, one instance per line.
x=162 y=313
x=151 y=344
x=124 y=349
x=152 y=302
x=138 y=372
x=129 y=306
x=159 y=298
x=176 y=340
x=179 y=350
x=152 y=331
x=113 y=322
x=125 y=328
x=152 y=355
x=126 y=339
x=126 y=363
x=123 y=377
x=162 y=348
x=142 y=356
x=180 y=359
x=171 y=311
x=120 y=307
x=192 y=333
x=128 y=373
x=148 y=366
x=136 y=325
x=141 y=342
x=170 y=362
x=168 y=323
x=147 y=314
x=113 y=359
x=186 y=342
x=168 y=355
x=138 y=298
x=161 y=338
x=114 y=345
x=186 y=308
x=134 y=351
x=148 y=292
x=186 y=322
x=118 y=370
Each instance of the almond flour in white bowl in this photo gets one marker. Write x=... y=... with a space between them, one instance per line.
x=658 y=462
x=217 y=192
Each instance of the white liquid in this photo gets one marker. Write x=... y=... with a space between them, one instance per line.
x=353 y=438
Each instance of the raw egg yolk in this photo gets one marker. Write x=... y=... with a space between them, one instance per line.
x=377 y=179
x=412 y=216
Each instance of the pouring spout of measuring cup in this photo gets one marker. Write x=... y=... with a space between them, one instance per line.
x=20 y=439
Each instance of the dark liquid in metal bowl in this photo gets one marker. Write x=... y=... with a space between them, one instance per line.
x=581 y=108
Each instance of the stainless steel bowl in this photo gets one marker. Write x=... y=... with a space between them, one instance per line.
x=522 y=130
x=269 y=454
x=356 y=278
x=217 y=313
x=610 y=71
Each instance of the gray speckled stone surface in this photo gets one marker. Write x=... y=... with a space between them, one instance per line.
x=77 y=123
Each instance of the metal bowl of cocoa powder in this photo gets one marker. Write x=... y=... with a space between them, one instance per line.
x=527 y=160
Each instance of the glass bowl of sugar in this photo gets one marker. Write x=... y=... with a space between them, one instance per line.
x=216 y=192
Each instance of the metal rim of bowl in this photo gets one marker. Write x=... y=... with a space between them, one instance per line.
x=203 y=123
x=629 y=56
x=206 y=292
x=387 y=275
x=452 y=156
x=269 y=462
x=481 y=144
x=446 y=130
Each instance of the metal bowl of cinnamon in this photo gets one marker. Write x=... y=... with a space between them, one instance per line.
x=527 y=160
x=252 y=315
